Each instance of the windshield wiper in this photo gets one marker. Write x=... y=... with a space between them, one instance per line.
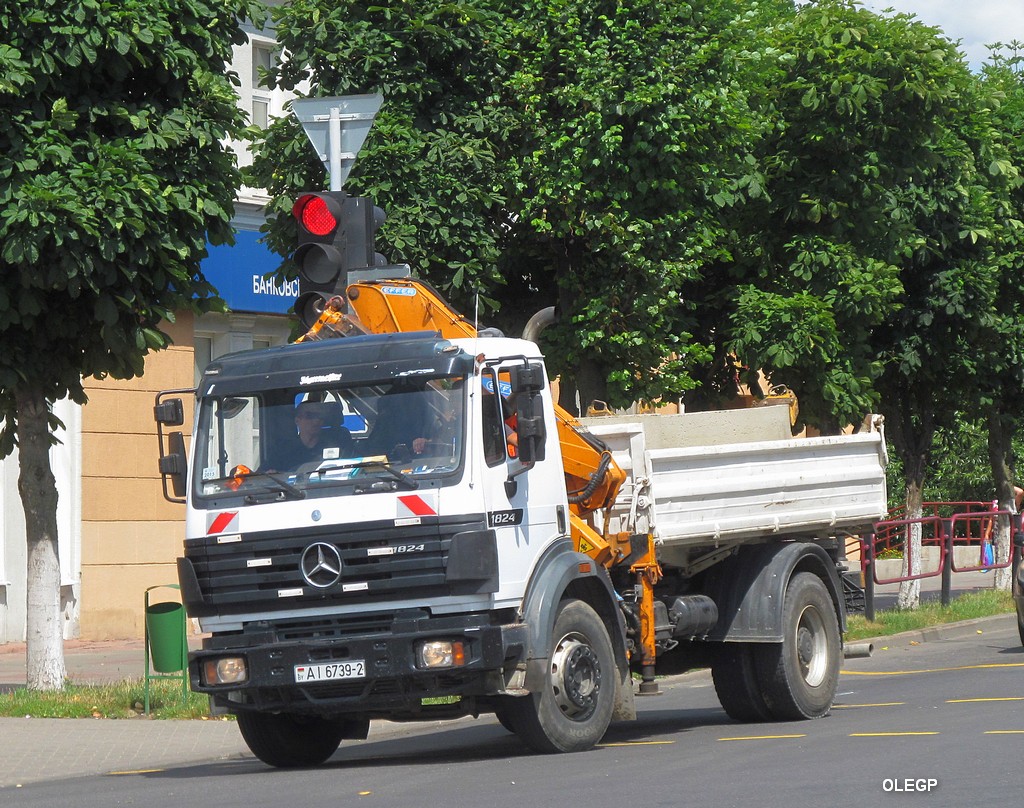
x=284 y=487
x=376 y=463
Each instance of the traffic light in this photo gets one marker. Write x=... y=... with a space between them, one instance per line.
x=362 y=220
x=321 y=249
x=336 y=235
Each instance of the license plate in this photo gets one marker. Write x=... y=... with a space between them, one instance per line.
x=331 y=671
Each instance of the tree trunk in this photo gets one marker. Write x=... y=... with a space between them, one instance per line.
x=38 y=489
x=909 y=596
x=999 y=453
x=913 y=439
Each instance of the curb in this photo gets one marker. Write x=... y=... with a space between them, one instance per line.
x=945 y=631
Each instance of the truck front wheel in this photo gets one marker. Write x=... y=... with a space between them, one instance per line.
x=288 y=741
x=799 y=676
x=573 y=709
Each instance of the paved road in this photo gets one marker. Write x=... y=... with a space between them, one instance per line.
x=944 y=708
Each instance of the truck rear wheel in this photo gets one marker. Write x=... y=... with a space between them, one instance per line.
x=288 y=741
x=799 y=676
x=734 y=672
x=572 y=711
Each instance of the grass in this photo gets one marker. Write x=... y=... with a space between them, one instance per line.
x=124 y=700
x=969 y=606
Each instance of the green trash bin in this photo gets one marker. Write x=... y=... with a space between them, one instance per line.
x=166 y=643
x=165 y=624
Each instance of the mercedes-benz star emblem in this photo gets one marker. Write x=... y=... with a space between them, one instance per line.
x=321 y=565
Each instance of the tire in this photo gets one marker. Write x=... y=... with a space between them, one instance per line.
x=734 y=672
x=1018 y=599
x=287 y=741
x=574 y=708
x=503 y=713
x=799 y=676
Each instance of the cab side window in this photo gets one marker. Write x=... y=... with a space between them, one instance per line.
x=493 y=426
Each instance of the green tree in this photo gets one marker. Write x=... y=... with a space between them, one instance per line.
x=431 y=159
x=999 y=354
x=634 y=137
x=850 y=95
x=866 y=270
x=113 y=174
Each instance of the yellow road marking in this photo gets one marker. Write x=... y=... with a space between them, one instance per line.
x=887 y=734
x=637 y=743
x=880 y=704
x=1004 y=732
x=135 y=771
x=761 y=737
x=994 y=698
x=935 y=670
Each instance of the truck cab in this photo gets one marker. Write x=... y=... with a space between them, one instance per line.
x=390 y=562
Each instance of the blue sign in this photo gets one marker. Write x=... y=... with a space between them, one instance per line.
x=238 y=275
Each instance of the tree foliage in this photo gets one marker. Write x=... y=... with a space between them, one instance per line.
x=814 y=190
x=113 y=176
x=862 y=109
x=635 y=136
x=432 y=158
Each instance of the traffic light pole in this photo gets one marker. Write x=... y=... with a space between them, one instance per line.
x=334 y=150
x=337 y=127
x=335 y=230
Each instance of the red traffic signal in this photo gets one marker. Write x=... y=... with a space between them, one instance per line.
x=320 y=251
x=317 y=214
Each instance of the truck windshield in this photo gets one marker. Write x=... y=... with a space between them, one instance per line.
x=293 y=443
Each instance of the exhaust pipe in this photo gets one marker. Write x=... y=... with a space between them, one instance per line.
x=541 y=320
x=858 y=650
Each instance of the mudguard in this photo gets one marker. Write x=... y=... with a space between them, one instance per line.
x=561 y=572
x=750 y=588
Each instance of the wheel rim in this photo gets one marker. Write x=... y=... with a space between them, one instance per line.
x=812 y=646
x=575 y=677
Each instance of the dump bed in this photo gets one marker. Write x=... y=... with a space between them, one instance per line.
x=726 y=493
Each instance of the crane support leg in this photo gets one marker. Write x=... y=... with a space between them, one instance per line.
x=648 y=573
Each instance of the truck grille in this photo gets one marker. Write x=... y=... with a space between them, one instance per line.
x=379 y=562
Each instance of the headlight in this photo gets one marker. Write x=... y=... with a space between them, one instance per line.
x=225 y=671
x=441 y=654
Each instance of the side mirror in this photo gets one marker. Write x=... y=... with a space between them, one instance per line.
x=174 y=467
x=528 y=378
x=173 y=462
x=169 y=412
x=527 y=383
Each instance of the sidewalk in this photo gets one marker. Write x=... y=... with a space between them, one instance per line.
x=86 y=662
x=39 y=749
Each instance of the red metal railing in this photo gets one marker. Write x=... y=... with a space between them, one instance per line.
x=973 y=519
x=944 y=528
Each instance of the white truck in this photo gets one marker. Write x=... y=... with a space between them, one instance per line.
x=422 y=566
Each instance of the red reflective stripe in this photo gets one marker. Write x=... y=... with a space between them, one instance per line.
x=417 y=505
x=221 y=522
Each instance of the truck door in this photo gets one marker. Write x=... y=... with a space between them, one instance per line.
x=525 y=504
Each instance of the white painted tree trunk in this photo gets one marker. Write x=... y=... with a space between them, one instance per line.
x=44 y=630
x=37 y=486
x=909 y=596
x=1002 y=578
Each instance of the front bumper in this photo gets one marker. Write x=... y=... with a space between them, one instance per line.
x=394 y=684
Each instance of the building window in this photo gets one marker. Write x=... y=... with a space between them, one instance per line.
x=262 y=61
x=203 y=356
